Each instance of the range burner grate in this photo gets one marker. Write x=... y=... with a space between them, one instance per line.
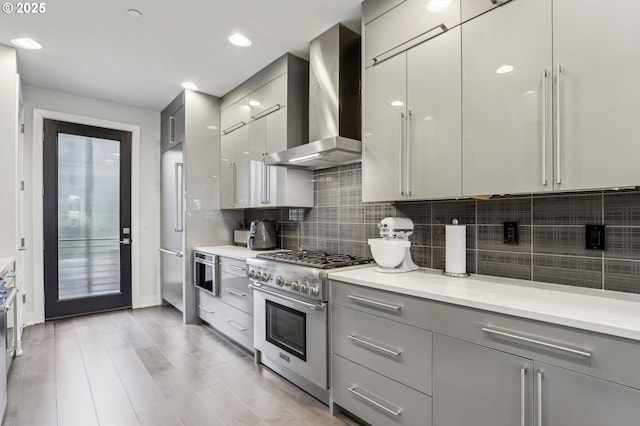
x=316 y=258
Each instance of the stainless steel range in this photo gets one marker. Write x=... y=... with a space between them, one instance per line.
x=291 y=316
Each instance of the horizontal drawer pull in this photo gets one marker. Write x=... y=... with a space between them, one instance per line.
x=366 y=342
x=204 y=308
x=239 y=268
x=235 y=292
x=394 y=410
x=375 y=303
x=509 y=335
x=234 y=324
x=312 y=306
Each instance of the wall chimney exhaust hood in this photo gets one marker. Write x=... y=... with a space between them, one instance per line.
x=334 y=105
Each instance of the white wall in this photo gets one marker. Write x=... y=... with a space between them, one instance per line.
x=146 y=289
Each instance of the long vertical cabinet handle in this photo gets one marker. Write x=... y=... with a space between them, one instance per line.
x=409 y=143
x=233 y=184
x=265 y=181
x=539 y=394
x=523 y=398
x=179 y=182
x=544 y=127
x=403 y=138
x=558 y=136
x=172 y=130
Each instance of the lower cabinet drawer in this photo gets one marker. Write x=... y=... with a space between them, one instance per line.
x=235 y=291
x=395 y=350
x=236 y=325
x=375 y=398
x=209 y=308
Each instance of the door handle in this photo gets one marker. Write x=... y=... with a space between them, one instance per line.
x=179 y=181
x=172 y=252
x=403 y=138
x=558 y=135
x=125 y=241
x=544 y=127
x=407 y=160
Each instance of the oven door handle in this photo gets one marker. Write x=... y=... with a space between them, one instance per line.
x=313 y=306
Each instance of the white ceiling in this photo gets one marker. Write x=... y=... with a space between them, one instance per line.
x=94 y=48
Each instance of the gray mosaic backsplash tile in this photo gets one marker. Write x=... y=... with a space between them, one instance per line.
x=551 y=231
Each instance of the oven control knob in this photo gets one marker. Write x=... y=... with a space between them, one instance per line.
x=287 y=283
x=295 y=286
x=279 y=281
x=314 y=290
x=304 y=287
x=264 y=276
x=252 y=274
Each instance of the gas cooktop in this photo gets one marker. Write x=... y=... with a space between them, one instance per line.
x=316 y=258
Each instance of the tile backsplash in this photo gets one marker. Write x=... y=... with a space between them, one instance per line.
x=551 y=231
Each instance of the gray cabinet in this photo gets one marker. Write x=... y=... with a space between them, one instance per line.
x=503 y=370
x=567 y=398
x=474 y=385
x=506 y=100
x=231 y=313
x=381 y=355
x=235 y=169
x=412 y=147
x=270 y=132
x=597 y=94
x=406 y=25
x=266 y=114
x=172 y=126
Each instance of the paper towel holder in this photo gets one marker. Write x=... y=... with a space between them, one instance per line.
x=455 y=274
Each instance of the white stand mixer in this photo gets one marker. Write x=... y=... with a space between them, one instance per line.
x=391 y=251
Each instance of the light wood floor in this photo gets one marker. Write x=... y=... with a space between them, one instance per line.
x=144 y=367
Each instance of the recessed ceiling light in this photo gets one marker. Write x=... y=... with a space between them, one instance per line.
x=396 y=103
x=239 y=40
x=134 y=13
x=504 y=69
x=254 y=103
x=26 y=43
x=212 y=127
x=189 y=85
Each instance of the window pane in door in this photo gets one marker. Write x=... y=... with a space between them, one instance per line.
x=88 y=216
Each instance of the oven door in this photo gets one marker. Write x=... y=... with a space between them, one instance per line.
x=205 y=272
x=291 y=334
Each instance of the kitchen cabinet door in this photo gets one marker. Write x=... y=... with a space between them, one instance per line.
x=234 y=179
x=173 y=129
x=269 y=98
x=567 y=398
x=406 y=25
x=597 y=97
x=474 y=385
x=506 y=100
x=385 y=116
x=235 y=116
x=434 y=114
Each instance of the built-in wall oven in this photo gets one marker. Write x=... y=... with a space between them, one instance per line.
x=206 y=271
x=291 y=314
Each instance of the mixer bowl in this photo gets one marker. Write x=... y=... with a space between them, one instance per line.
x=388 y=253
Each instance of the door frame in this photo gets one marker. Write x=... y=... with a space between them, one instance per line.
x=38 y=209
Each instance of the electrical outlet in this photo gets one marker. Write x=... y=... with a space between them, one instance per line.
x=511 y=234
x=595 y=237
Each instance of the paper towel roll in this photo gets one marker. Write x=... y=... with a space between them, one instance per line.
x=456 y=249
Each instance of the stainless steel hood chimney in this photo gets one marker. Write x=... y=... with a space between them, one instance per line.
x=334 y=105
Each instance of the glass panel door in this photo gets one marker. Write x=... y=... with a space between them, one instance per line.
x=87 y=174
x=287 y=329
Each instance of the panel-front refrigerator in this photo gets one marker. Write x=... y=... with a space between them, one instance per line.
x=172 y=238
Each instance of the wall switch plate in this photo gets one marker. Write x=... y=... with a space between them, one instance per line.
x=511 y=234
x=595 y=237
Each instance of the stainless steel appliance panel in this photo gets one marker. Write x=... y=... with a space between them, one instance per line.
x=313 y=365
x=172 y=238
x=206 y=272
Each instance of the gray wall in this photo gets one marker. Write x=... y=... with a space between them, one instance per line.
x=552 y=232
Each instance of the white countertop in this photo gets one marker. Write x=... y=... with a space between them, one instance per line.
x=234 y=252
x=5 y=261
x=602 y=311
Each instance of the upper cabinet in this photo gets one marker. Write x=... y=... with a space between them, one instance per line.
x=550 y=104
x=506 y=100
x=405 y=25
x=597 y=94
x=471 y=8
x=412 y=123
x=271 y=116
x=172 y=126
